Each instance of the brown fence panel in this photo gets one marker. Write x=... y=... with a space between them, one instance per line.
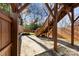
x=5 y=35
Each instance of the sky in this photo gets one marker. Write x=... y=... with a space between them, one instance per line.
x=37 y=9
x=65 y=21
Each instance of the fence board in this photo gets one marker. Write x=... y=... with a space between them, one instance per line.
x=5 y=35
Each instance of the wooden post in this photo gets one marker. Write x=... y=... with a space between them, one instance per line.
x=48 y=27
x=54 y=30
x=54 y=27
x=14 y=34
x=72 y=27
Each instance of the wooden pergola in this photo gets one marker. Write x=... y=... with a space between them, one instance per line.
x=56 y=17
x=57 y=13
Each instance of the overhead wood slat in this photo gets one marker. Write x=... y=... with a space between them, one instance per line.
x=23 y=7
x=61 y=14
x=49 y=9
x=14 y=7
x=76 y=19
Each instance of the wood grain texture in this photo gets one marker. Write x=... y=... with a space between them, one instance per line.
x=5 y=35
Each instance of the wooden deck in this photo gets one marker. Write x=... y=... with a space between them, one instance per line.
x=32 y=45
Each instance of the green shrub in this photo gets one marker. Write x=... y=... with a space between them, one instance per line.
x=32 y=26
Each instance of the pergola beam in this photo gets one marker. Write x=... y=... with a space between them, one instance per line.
x=69 y=16
x=49 y=9
x=14 y=7
x=76 y=19
x=23 y=7
x=18 y=11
